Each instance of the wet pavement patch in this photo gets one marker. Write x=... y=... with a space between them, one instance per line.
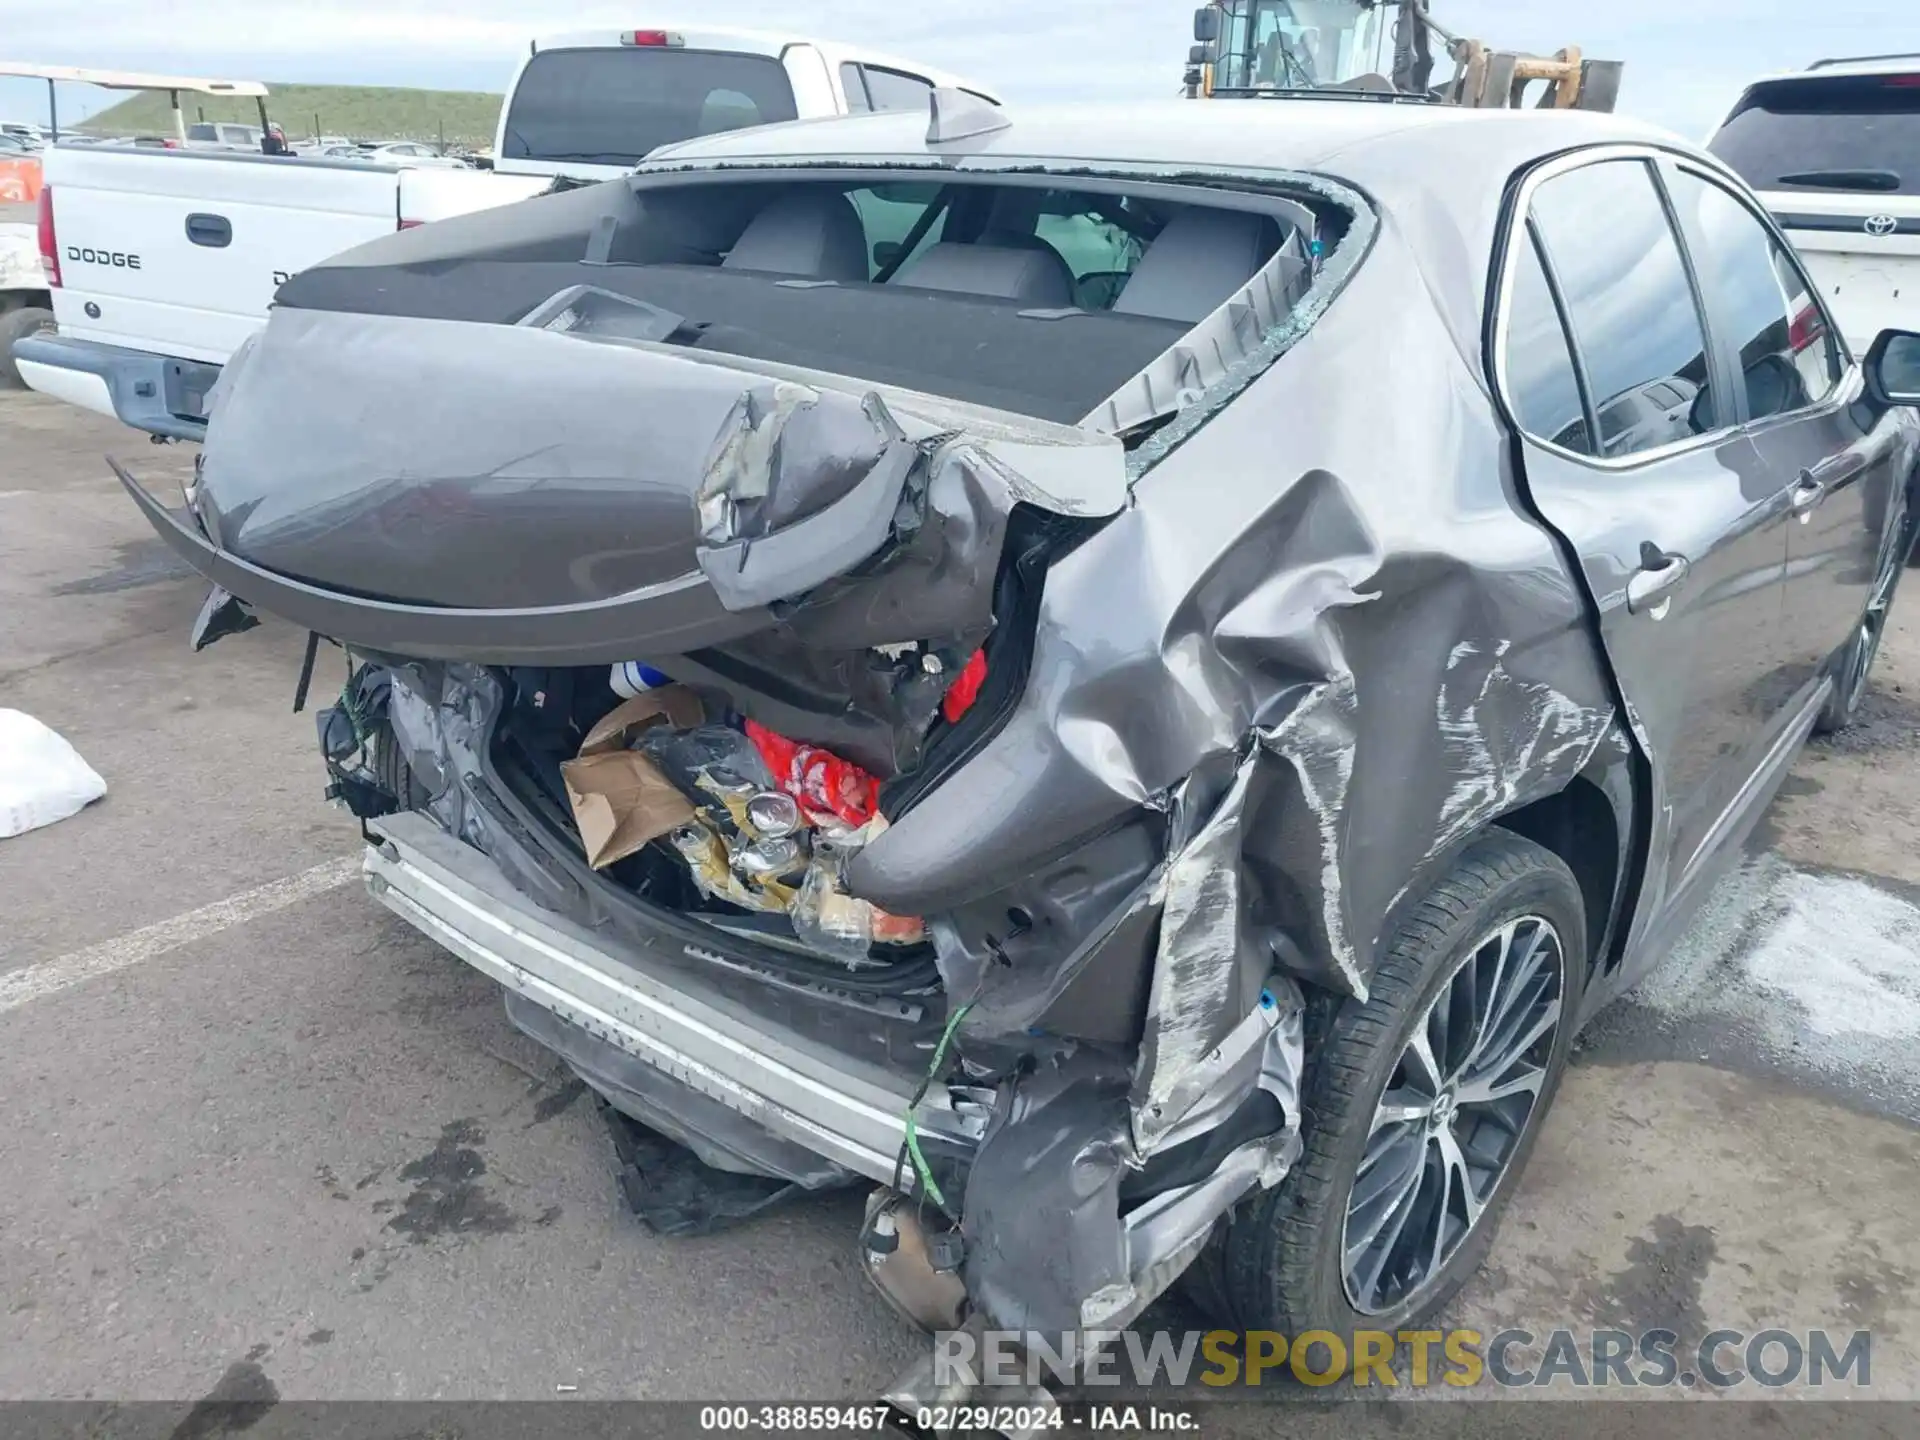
x=1871 y=1292
x=322 y=1336
x=1766 y=834
x=1660 y=1287
x=238 y=1401
x=142 y=562
x=1788 y=970
x=447 y=1198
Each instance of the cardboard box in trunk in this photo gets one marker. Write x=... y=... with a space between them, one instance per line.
x=620 y=798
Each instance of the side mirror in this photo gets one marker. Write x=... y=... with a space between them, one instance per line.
x=1893 y=368
x=887 y=253
x=1199 y=54
x=1206 y=25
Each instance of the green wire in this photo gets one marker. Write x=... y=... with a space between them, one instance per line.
x=920 y=1167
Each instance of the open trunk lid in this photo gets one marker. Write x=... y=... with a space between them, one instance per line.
x=534 y=494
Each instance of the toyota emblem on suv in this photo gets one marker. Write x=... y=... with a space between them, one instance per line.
x=1881 y=225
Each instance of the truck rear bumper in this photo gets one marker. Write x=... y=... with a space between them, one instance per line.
x=155 y=393
x=797 y=1090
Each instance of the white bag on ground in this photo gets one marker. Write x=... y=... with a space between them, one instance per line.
x=42 y=777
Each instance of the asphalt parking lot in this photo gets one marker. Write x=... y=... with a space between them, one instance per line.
x=264 y=1137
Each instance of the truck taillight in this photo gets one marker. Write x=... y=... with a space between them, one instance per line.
x=650 y=37
x=1805 y=329
x=411 y=224
x=49 y=247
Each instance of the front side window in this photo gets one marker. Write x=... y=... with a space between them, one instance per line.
x=1299 y=44
x=1635 y=322
x=1788 y=359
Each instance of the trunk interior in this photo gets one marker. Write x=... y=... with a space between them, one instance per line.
x=761 y=733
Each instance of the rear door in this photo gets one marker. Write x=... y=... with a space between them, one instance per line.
x=1837 y=161
x=1630 y=455
x=1840 y=462
x=179 y=252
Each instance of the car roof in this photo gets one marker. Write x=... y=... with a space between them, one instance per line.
x=1861 y=65
x=1253 y=135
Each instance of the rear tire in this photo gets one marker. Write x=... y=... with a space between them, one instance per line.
x=1372 y=1121
x=17 y=325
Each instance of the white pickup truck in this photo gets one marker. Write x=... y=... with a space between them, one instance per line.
x=162 y=262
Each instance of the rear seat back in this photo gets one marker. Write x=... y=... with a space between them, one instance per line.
x=1198 y=259
x=811 y=235
x=1032 y=276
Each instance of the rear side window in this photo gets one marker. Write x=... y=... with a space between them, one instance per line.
x=1787 y=357
x=1605 y=233
x=1821 y=133
x=613 y=106
x=855 y=87
x=895 y=89
x=1541 y=384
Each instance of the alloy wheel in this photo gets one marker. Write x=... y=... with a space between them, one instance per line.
x=1866 y=640
x=1453 y=1113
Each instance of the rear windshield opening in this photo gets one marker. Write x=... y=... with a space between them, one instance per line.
x=1044 y=299
x=612 y=106
x=1855 y=133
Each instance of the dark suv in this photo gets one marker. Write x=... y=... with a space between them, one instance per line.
x=1129 y=677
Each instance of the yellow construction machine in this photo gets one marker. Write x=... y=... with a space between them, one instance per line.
x=1278 y=48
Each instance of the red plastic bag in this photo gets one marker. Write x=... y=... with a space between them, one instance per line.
x=823 y=783
x=965 y=688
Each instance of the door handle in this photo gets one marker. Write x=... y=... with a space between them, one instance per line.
x=1806 y=495
x=1650 y=588
x=213 y=231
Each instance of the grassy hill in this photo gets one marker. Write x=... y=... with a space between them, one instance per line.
x=360 y=112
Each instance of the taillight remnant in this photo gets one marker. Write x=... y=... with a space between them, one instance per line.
x=49 y=242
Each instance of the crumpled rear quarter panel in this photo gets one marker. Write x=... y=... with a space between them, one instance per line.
x=1326 y=639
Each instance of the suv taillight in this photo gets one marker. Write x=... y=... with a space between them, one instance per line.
x=49 y=248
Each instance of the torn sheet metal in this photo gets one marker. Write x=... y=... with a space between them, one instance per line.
x=1064 y=1143
x=1276 y=613
x=1058 y=1148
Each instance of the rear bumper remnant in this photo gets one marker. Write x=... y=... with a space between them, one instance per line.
x=850 y=1114
x=155 y=393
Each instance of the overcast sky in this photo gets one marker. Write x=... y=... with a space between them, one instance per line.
x=1686 y=59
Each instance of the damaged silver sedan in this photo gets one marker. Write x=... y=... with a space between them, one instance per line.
x=1128 y=678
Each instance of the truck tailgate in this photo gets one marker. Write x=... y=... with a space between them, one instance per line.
x=1864 y=254
x=179 y=252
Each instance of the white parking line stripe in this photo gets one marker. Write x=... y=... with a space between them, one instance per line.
x=49 y=977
